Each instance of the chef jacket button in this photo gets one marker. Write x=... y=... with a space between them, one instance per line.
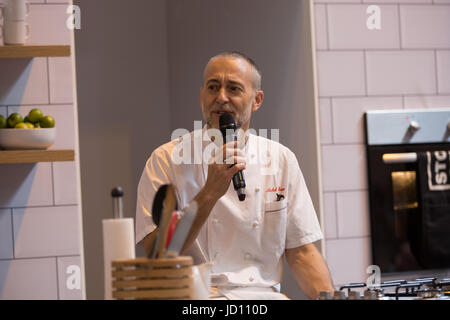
x=255 y=224
x=257 y=189
x=216 y=255
x=251 y=279
x=252 y=155
x=214 y=221
x=247 y=256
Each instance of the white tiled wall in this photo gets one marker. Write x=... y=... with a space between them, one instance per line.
x=405 y=64
x=29 y=279
x=40 y=254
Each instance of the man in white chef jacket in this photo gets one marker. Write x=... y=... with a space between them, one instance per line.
x=243 y=240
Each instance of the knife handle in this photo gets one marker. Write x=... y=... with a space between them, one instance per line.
x=169 y=206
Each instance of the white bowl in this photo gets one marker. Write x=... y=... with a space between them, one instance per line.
x=20 y=139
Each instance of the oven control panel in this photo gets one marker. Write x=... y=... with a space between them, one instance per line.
x=386 y=127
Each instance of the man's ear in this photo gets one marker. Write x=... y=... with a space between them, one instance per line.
x=258 y=100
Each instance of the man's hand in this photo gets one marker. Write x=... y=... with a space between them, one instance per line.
x=223 y=165
x=310 y=270
x=226 y=161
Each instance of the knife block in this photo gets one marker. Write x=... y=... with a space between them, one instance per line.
x=142 y=278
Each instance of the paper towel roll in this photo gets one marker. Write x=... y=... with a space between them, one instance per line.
x=118 y=244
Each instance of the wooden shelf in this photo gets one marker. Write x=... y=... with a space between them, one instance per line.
x=32 y=156
x=31 y=51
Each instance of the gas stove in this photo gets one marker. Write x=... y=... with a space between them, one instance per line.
x=418 y=289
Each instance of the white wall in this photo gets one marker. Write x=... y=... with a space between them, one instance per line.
x=406 y=64
x=40 y=233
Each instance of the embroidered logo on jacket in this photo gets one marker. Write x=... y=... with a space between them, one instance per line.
x=275 y=189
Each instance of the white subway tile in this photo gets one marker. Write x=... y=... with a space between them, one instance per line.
x=60 y=75
x=353 y=214
x=65 y=182
x=427 y=102
x=70 y=278
x=400 y=72
x=326 y=129
x=348 y=260
x=64 y=123
x=340 y=73
x=6 y=242
x=330 y=215
x=46 y=231
x=425 y=26
x=28 y=279
x=23 y=81
x=348 y=28
x=320 y=18
x=443 y=71
x=441 y=1
x=48 y=25
x=26 y=184
x=344 y=167
x=348 y=116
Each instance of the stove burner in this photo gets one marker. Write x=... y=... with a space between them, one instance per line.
x=419 y=289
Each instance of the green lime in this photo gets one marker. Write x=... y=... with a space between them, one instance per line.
x=35 y=115
x=47 y=122
x=2 y=122
x=29 y=125
x=14 y=119
x=21 y=125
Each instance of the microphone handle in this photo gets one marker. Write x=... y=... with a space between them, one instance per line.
x=238 y=180
x=239 y=185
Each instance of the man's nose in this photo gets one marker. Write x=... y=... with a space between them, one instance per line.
x=222 y=96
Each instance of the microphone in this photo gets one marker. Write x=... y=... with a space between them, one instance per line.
x=227 y=127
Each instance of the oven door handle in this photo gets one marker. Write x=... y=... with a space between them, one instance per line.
x=407 y=157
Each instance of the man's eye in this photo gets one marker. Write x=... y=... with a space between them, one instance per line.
x=235 y=89
x=213 y=87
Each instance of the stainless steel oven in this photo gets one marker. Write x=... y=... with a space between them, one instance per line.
x=409 y=188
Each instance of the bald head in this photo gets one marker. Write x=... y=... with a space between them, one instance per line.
x=256 y=73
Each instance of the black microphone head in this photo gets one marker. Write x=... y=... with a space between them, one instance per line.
x=226 y=122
